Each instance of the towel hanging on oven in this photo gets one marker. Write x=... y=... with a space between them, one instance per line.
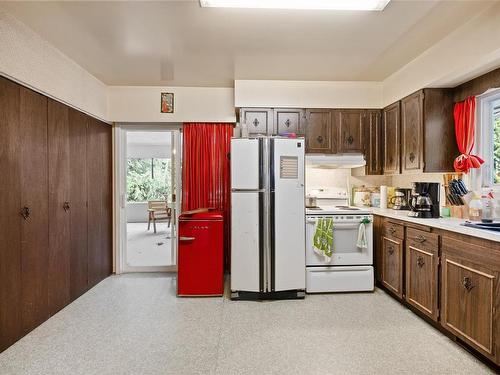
x=362 y=242
x=323 y=238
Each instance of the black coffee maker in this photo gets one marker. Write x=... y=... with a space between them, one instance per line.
x=424 y=202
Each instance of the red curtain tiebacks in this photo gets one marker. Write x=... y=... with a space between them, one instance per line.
x=465 y=127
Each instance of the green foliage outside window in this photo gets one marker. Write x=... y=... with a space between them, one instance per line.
x=496 y=150
x=148 y=179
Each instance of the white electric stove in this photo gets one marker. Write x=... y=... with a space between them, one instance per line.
x=350 y=268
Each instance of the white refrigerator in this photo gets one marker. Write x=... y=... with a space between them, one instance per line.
x=267 y=218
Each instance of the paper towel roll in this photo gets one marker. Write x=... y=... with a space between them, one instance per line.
x=383 y=196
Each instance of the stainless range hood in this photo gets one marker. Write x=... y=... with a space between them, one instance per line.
x=329 y=161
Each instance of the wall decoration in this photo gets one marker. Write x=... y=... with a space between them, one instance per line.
x=167 y=102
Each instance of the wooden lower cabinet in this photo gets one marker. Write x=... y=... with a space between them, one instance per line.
x=421 y=272
x=469 y=296
x=392 y=265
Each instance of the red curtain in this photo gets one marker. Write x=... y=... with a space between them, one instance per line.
x=206 y=179
x=465 y=126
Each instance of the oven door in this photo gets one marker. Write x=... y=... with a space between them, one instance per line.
x=345 y=236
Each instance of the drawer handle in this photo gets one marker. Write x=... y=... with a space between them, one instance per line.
x=287 y=122
x=319 y=139
x=420 y=238
x=392 y=230
x=391 y=250
x=467 y=284
x=255 y=122
x=420 y=261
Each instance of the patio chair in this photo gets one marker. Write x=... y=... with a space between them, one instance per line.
x=158 y=211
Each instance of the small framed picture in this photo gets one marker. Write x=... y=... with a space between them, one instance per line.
x=167 y=102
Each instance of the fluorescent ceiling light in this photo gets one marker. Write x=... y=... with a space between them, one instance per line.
x=298 y=4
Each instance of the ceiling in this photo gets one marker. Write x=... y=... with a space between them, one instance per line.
x=177 y=43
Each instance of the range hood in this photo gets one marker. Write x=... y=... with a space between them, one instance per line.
x=329 y=161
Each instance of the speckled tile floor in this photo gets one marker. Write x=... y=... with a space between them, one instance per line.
x=134 y=324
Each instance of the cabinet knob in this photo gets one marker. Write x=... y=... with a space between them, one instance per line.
x=66 y=206
x=25 y=212
x=412 y=157
x=420 y=261
x=467 y=283
x=255 y=122
x=391 y=250
x=392 y=230
x=350 y=140
x=319 y=139
x=287 y=123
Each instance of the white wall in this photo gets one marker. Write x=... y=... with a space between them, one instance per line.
x=33 y=62
x=471 y=50
x=191 y=104
x=307 y=94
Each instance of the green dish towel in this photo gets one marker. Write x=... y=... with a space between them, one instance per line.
x=323 y=238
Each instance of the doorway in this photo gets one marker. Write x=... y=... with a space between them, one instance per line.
x=149 y=197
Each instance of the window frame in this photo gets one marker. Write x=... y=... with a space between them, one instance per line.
x=483 y=177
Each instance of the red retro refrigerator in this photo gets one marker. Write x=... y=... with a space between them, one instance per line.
x=201 y=254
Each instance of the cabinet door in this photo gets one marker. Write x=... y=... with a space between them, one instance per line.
x=391 y=139
x=372 y=139
x=78 y=201
x=392 y=265
x=469 y=296
x=349 y=124
x=10 y=218
x=34 y=205
x=289 y=120
x=319 y=131
x=99 y=201
x=59 y=206
x=412 y=127
x=258 y=120
x=422 y=272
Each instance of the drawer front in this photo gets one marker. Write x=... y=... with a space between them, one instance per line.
x=422 y=240
x=392 y=265
x=421 y=280
x=468 y=292
x=394 y=230
x=339 y=279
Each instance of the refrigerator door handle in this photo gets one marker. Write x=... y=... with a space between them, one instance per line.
x=184 y=238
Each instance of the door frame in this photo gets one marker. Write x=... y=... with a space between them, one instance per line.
x=120 y=136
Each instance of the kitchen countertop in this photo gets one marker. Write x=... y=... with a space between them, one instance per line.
x=449 y=224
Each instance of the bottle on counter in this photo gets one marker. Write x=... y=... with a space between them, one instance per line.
x=475 y=209
x=488 y=213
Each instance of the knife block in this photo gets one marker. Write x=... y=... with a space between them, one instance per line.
x=460 y=212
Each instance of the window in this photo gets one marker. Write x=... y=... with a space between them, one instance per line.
x=488 y=140
x=148 y=179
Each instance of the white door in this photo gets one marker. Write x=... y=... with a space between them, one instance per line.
x=245 y=164
x=289 y=215
x=246 y=241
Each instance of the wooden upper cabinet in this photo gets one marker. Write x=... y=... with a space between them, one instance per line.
x=412 y=127
x=319 y=131
x=470 y=294
x=391 y=139
x=349 y=124
x=372 y=139
x=422 y=252
x=289 y=121
x=259 y=120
